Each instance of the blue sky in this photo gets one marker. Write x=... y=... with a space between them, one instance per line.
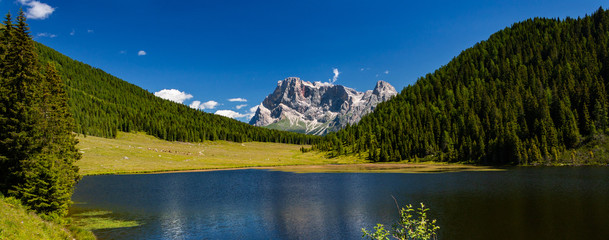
x=227 y=55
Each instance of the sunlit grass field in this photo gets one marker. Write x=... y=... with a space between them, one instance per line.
x=141 y=153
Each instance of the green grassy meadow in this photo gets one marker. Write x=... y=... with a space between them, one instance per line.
x=141 y=153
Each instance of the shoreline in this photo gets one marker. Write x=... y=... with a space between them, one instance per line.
x=431 y=167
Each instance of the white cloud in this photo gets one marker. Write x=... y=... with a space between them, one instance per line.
x=237 y=115
x=230 y=114
x=206 y=105
x=141 y=53
x=254 y=109
x=90 y=31
x=195 y=104
x=44 y=34
x=252 y=112
x=209 y=104
x=72 y=32
x=240 y=106
x=386 y=72
x=36 y=9
x=336 y=73
x=122 y=52
x=237 y=100
x=173 y=95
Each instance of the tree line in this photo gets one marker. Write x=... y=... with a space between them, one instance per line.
x=37 y=145
x=524 y=96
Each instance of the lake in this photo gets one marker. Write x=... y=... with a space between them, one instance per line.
x=519 y=203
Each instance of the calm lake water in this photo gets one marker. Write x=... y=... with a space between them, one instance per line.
x=520 y=203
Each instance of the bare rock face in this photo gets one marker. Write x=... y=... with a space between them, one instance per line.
x=317 y=108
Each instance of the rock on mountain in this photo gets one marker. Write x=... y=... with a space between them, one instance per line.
x=317 y=108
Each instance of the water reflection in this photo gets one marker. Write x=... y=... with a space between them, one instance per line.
x=564 y=203
x=171 y=218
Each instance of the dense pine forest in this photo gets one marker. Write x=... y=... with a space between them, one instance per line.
x=103 y=104
x=528 y=94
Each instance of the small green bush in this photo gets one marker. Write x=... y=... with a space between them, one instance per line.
x=413 y=225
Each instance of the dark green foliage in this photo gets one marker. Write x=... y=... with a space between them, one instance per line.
x=103 y=104
x=37 y=145
x=523 y=96
x=19 y=75
x=50 y=175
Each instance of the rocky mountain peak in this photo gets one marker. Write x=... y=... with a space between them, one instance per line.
x=384 y=90
x=316 y=108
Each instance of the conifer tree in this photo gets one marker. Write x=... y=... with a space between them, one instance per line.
x=37 y=146
x=50 y=176
x=19 y=75
x=6 y=34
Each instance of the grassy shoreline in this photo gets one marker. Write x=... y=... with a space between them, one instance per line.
x=17 y=222
x=138 y=153
x=339 y=168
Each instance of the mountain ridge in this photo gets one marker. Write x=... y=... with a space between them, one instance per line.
x=315 y=107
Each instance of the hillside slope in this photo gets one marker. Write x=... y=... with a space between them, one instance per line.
x=528 y=94
x=103 y=104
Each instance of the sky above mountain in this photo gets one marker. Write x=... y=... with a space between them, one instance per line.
x=226 y=56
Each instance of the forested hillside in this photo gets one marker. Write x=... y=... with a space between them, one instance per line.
x=103 y=104
x=524 y=96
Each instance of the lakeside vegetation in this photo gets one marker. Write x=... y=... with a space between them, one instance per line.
x=534 y=93
x=17 y=222
x=413 y=224
x=97 y=220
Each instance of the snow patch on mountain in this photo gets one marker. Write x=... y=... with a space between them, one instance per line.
x=317 y=108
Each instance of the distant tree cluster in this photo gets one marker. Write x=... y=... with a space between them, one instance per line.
x=37 y=144
x=103 y=104
x=528 y=93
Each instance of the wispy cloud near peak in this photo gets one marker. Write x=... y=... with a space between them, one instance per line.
x=336 y=73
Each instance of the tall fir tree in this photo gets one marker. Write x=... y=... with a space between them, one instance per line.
x=37 y=145
x=6 y=34
x=19 y=74
x=50 y=176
